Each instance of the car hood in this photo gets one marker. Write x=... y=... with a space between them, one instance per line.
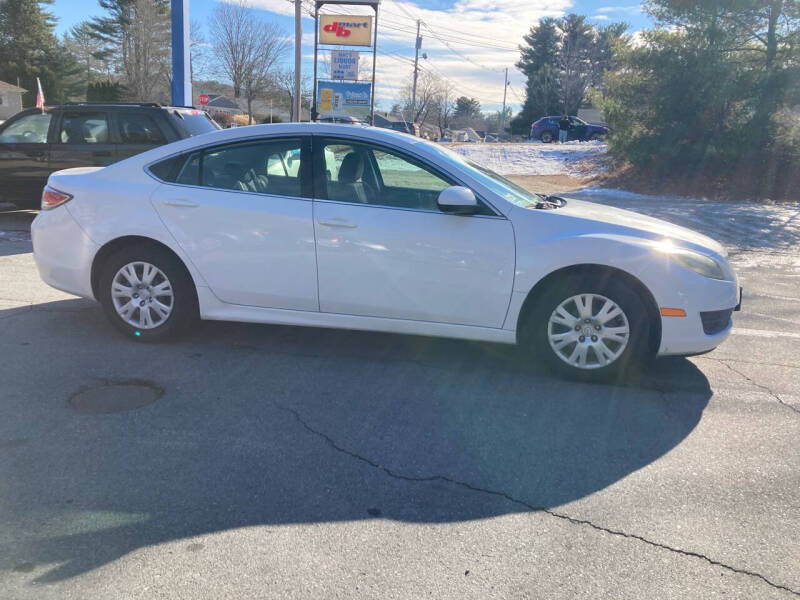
x=626 y=222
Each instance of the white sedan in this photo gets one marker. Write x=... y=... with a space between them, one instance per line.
x=365 y=228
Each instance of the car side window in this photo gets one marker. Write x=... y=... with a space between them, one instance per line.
x=30 y=129
x=83 y=128
x=139 y=128
x=183 y=169
x=366 y=174
x=397 y=172
x=270 y=166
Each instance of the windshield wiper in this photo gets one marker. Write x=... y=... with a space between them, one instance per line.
x=549 y=202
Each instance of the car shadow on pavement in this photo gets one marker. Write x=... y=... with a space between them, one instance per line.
x=271 y=425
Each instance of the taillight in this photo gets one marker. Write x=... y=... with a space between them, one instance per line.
x=52 y=198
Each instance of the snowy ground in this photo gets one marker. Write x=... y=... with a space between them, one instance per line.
x=580 y=159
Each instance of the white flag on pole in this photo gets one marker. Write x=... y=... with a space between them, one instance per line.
x=39 y=95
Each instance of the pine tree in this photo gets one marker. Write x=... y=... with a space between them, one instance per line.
x=135 y=38
x=29 y=49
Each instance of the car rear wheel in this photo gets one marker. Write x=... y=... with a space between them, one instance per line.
x=546 y=137
x=147 y=293
x=589 y=328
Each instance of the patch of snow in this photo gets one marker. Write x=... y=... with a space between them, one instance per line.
x=577 y=159
x=771 y=226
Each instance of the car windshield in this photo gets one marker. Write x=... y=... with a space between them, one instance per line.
x=509 y=190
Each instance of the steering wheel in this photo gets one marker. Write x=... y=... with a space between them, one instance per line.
x=27 y=134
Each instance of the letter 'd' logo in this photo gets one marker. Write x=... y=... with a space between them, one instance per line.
x=338 y=28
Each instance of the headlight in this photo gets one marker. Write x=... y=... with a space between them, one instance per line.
x=694 y=261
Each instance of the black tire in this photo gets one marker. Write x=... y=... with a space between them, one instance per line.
x=534 y=331
x=546 y=137
x=595 y=136
x=184 y=294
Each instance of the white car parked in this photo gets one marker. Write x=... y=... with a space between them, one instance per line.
x=365 y=228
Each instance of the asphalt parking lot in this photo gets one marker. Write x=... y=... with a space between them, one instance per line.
x=279 y=462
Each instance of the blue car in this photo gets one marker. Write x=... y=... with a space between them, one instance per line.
x=546 y=130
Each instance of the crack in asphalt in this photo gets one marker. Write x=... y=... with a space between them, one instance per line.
x=564 y=517
x=761 y=386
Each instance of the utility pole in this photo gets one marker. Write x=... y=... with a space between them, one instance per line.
x=503 y=114
x=418 y=45
x=298 y=38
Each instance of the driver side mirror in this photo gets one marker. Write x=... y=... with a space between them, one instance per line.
x=457 y=200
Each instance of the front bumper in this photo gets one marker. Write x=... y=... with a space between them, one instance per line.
x=708 y=304
x=63 y=252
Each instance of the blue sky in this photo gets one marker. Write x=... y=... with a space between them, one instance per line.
x=469 y=42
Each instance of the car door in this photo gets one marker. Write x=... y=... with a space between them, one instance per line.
x=137 y=132
x=384 y=249
x=83 y=139
x=577 y=129
x=249 y=232
x=23 y=157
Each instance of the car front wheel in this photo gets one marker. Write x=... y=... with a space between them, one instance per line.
x=589 y=328
x=147 y=293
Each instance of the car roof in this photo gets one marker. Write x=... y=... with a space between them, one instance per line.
x=364 y=133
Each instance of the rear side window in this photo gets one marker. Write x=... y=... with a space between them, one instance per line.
x=139 y=128
x=271 y=166
x=84 y=128
x=193 y=122
x=183 y=169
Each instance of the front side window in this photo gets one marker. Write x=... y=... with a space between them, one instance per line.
x=30 y=129
x=84 y=128
x=365 y=174
x=138 y=128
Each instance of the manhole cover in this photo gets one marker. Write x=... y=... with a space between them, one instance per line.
x=116 y=397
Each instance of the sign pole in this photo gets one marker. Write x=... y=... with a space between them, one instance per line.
x=298 y=39
x=417 y=44
x=503 y=114
x=316 y=47
x=181 y=57
x=374 y=58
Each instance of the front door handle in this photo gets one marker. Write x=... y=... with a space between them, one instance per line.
x=181 y=203
x=340 y=223
x=101 y=153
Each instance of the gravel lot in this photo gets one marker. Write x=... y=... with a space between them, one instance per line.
x=283 y=462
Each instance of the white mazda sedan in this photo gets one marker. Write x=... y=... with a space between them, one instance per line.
x=365 y=228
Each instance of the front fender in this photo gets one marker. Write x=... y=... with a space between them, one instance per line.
x=634 y=256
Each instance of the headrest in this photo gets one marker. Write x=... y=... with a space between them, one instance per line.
x=352 y=168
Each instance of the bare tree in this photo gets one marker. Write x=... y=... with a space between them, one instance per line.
x=284 y=82
x=429 y=88
x=246 y=48
x=444 y=104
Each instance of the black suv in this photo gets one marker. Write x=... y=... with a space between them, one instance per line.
x=34 y=143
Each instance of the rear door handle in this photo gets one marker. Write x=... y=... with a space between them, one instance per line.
x=101 y=153
x=181 y=203
x=340 y=223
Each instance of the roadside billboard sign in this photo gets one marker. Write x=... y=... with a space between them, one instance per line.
x=340 y=98
x=344 y=64
x=345 y=30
